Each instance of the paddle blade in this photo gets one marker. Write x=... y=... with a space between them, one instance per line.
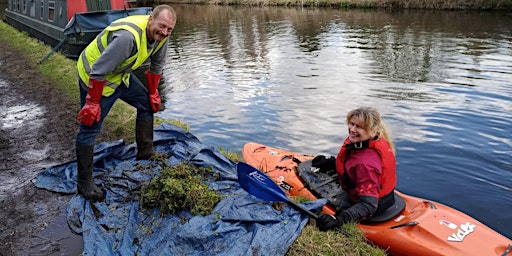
x=259 y=184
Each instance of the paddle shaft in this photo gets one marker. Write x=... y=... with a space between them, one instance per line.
x=302 y=209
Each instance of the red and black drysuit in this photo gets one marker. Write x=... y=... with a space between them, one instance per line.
x=367 y=172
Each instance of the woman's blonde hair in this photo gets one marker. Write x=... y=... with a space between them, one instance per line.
x=370 y=120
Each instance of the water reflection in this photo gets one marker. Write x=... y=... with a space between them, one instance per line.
x=287 y=77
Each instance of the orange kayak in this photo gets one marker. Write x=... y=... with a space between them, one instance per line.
x=423 y=227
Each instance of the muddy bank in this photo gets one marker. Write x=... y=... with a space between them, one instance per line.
x=37 y=130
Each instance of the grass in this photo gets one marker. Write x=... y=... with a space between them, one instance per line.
x=180 y=187
x=121 y=121
x=312 y=242
x=233 y=156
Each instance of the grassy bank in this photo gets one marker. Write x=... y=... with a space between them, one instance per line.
x=395 y=4
x=62 y=72
x=120 y=122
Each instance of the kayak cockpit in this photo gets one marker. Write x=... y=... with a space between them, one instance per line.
x=325 y=185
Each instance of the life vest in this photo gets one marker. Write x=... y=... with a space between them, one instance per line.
x=388 y=177
x=136 y=24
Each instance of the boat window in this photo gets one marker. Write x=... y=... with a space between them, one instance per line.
x=51 y=10
x=24 y=6
x=32 y=9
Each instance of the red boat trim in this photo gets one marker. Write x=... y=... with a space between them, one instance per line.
x=76 y=7
x=119 y=4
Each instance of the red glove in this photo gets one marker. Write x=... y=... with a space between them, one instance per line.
x=91 y=111
x=154 y=98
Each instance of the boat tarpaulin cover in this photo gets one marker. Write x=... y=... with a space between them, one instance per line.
x=96 y=21
x=240 y=224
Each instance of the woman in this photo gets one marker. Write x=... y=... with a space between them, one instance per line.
x=366 y=168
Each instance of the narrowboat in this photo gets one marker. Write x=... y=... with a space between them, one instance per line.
x=67 y=26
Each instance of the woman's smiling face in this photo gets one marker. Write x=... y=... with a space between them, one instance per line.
x=356 y=133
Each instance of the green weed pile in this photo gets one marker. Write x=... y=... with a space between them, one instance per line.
x=180 y=187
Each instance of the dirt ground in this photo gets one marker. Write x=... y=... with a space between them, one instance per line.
x=37 y=130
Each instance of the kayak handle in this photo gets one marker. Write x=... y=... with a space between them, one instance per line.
x=432 y=205
x=412 y=223
x=509 y=248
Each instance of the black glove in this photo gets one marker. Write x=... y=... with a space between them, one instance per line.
x=324 y=164
x=328 y=222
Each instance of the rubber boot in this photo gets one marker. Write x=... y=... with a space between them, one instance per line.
x=144 y=140
x=85 y=184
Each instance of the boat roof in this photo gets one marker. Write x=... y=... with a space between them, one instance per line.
x=96 y=21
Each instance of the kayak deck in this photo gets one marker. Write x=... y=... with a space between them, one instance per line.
x=423 y=228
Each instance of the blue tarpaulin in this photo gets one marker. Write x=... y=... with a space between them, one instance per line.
x=87 y=25
x=239 y=225
x=85 y=22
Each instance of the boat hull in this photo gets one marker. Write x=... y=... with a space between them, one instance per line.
x=72 y=37
x=424 y=227
x=50 y=34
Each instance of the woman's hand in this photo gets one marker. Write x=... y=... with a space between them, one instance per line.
x=324 y=164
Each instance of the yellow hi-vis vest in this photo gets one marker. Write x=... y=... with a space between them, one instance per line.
x=136 y=24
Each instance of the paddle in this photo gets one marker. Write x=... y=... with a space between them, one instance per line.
x=261 y=186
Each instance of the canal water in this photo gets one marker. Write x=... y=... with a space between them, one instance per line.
x=286 y=77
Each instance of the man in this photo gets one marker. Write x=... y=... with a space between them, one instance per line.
x=105 y=74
